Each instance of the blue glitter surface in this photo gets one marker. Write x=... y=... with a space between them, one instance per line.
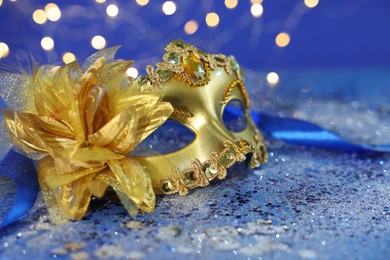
x=303 y=204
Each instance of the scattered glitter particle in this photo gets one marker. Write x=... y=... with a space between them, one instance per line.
x=133 y=224
x=74 y=246
x=168 y=232
x=109 y=251
x=307 y=254
x=80 y=256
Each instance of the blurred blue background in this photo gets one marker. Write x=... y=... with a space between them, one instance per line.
x=331 y=33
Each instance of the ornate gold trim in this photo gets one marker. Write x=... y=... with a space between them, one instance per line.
x=241 y=87
x=200 y=174
x=173 y=65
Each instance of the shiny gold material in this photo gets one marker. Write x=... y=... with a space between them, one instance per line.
x=87 y=122
x=199 y=105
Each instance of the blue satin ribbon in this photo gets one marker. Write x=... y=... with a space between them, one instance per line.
x=21 y=170
x=300 y=132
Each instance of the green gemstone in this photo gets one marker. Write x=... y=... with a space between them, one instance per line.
x=165 y=74
x=189 y=177
x=226 y=158
x=168 y=186
x=220 y=59
x=211 y=170
x=234 y=64
x=145 y=81
x=173 y=58
x=179 y=43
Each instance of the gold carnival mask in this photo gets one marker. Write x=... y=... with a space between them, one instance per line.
x=86 y=122
x=199 y=86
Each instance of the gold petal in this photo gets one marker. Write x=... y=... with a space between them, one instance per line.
x=118 y=134
x=150 y=118
x=55 y=96
x=90 y=79
x=97 y=188
x=27 y=129
x=96 y=153
x=69 y=165
x=73 y=198
x=151 y=114
x=20 y=135
x=52 y=93
x=124 y=99
x=131 y=179
x=52 y=126
x=114 y=72
x=59 y=179
x=96 y=110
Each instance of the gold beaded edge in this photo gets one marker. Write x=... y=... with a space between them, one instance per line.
x=200 y=174
x=229 y=89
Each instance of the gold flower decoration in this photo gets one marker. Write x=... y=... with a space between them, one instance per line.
x=86 y=122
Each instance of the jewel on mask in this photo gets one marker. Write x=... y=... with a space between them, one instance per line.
x=173 y=58
x=211 y=170
x=227 y=159
x=168 y=186
x=193 y=67
x=164 y=74
x=189 y=177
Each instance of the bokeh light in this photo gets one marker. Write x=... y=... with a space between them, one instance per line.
x=231 y=4
x=47 y=43
x=169 y=8
x=212 y=19
x=311 y=3
x=282 y=39
x=257 y=10
x=132 y=72
x=142 y=2
x=100 y=1
x=39 y=16
x=1 y=2
x=4 y=50
x=53 y=12
x=98 y=42
x=112 y=10
x=68 y=57
x=256 y=1
x=191 y=27
x=272 y=79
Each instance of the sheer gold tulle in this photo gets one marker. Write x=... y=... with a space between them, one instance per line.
x=87 y=122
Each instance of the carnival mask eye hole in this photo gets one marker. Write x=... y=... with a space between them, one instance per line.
x=168 y=138
x=234 y=116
